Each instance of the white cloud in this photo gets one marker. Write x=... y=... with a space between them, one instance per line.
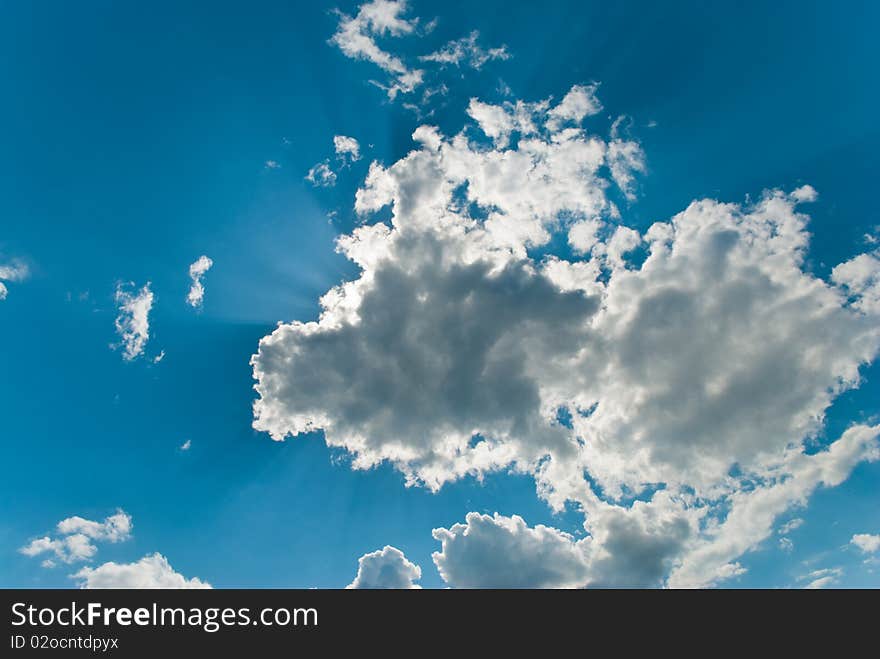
x=356 y=38
x=272 y=164
x=625 y=158
x=152 y=571
x=633 y=547
x=866 y=542
x=823 y=578
x=13 y=271
x=132 y=322
x=503 y=552
x=386 y=568
x=791 y=525
x=494 y=120
x=77 y=536
x=860 y=277
x=694 y=372
x=114 y=528
x=347 y=148
x=805 y=194
x=321 y=175
x=583 y=235
x=752 y=512
x=785 y=543
x=70 y=549
x=580 y=102
x=186 y=446
x=197 y=270
x=359 y=37
x=466 y=51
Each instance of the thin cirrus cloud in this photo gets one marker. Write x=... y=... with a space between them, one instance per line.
x=454 y=351
x=197 y=270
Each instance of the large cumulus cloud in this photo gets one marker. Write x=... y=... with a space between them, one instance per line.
x=694 y=360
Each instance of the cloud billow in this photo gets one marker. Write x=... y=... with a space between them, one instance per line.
x=713 y=353
x=386 y=568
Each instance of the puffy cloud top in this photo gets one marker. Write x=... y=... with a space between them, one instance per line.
x=386 y=568
x=694 y=359
x=133 y=319
x=77 y=538
x=152 y=571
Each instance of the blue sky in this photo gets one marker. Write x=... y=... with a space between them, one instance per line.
x=137 y=139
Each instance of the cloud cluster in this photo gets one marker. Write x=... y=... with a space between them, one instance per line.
x=152 y=571
x=197 y=270
x=323 y=175
x=77 y=538
x=76 y=543
x=386 y=568
x=358 y=37
x=133 y=319
x=692 y=362
x=13 y=271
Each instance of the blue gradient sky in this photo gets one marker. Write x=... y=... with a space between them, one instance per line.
x=134 y=138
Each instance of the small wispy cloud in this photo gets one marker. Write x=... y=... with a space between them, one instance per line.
x=197 y=269
x=321 y=175
x=356 y=37
x=791 y=525
x=9 y=272
x=822 y=578
x=466 y=52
